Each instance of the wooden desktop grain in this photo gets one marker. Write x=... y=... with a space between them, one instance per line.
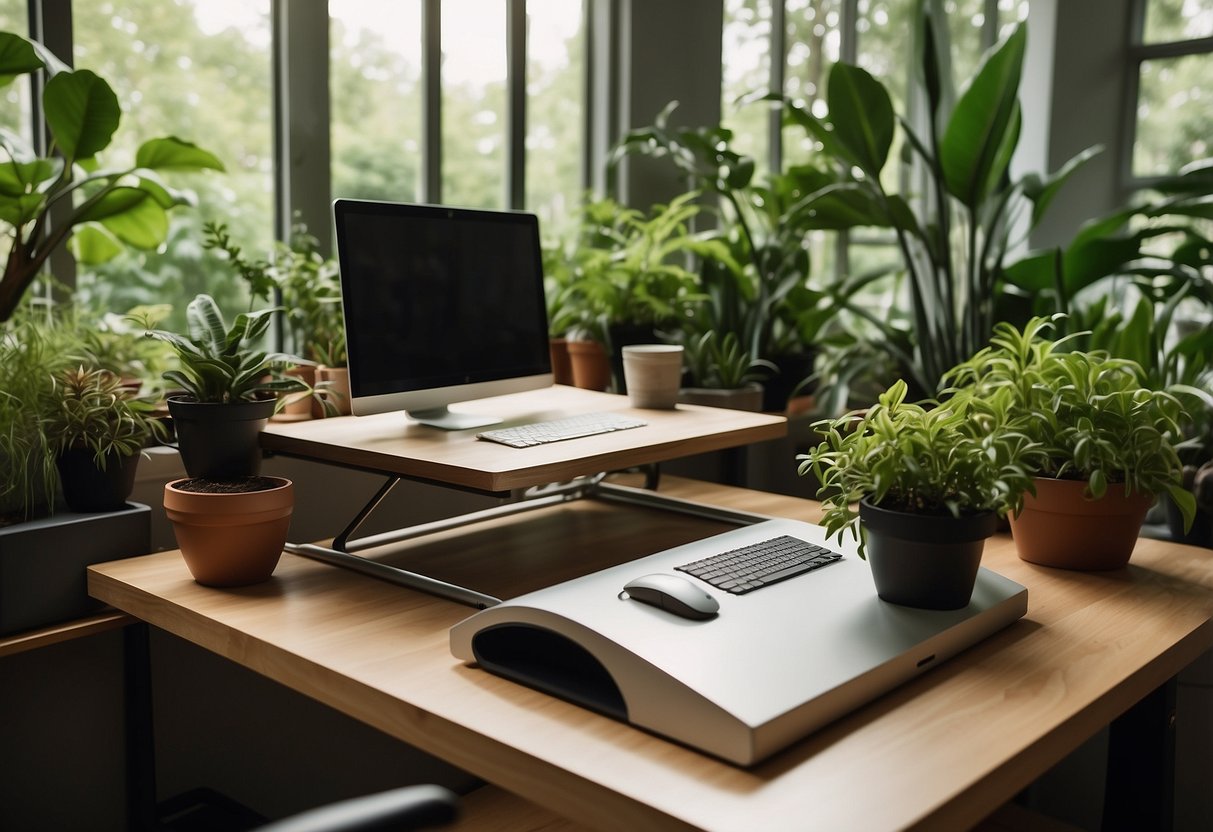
x=390 y=443
x=942 y=751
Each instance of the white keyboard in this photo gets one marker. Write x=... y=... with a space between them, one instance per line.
x=557 y=430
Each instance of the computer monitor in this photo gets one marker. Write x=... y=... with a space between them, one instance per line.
x=441 y=305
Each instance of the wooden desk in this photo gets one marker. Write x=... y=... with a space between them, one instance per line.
x=390 y=444
x=942 y=751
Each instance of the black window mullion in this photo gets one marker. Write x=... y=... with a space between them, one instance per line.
x=516 y=61
x=431 y=79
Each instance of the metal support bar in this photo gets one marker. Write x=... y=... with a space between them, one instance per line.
x=342 y=541
x=343 y=552
x=395 y=575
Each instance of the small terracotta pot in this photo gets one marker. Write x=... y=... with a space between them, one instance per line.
x=562 y=365
x=231 y=539
x=338 y=391
x=297 y=407
x=1060 y=527
x=591 y=367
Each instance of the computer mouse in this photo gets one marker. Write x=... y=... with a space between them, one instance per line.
x=673 y=594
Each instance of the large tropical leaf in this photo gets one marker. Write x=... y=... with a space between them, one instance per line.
x=82 y=113
x=172 y=153
x=17 y=57
x=861 y=113
x=92 y=244
x=143 y=225
x=19 y=178
x=973 y=143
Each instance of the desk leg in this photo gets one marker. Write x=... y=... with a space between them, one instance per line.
x=1139 y=790
x=140 y=746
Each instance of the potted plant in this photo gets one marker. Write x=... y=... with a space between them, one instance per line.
x=930 y=483
x=43 y=549
x=230 y=532
x=99 y=430
x=722 y=373
x=1108 y=445
x=101 y=209
x=630 y=277
x=229 y=388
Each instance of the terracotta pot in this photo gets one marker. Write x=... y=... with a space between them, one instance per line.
x=591 y=368
x=738 y=398
x=1061 y=527
x=922 y=560
x=297 y=407
x=338 y=391
x=231 y=539
x=562 y=365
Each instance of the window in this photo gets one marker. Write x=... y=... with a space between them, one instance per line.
x=1171 y=102
x=204 y=70
x=199 y=70
x=375 y=94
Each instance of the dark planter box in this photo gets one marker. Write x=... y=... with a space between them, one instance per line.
x=42 y=562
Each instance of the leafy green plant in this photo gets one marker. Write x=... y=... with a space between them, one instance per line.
x=629 y=267
x=102 y=209
x=33 y=347
x=954 y=241
x=311 y=295
x=91 y=409
x=760 y=292
x=721 y=363
x=954 y=458
x=1088 y=412
x=222 y=364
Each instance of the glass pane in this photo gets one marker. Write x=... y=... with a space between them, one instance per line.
x=883 y=49
x=1174 y=116
x=375 y=93
x=745 y=69
x=813 y=44
x=1010 y=12
x=473 y=103
x=1174 y=20
x=199 y=70
x=555 y=115
x=965 y=21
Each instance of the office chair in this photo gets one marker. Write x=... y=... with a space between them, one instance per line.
x=410 y=807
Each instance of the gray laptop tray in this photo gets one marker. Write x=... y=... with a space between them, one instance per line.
x=774 y=665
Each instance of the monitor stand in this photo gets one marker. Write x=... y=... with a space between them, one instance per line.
x=440 y=417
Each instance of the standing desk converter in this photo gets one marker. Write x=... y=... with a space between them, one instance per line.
x=941 y=752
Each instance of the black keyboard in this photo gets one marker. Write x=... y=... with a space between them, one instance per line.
x=760 y=564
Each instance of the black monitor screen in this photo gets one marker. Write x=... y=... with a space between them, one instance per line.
x=436 y=297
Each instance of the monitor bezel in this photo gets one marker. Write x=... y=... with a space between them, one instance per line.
x=429 y=405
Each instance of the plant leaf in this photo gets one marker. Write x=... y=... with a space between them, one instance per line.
x=172 y=153
x=82 y=113
x=976 y=133
x=861 y=113
x=17 y=57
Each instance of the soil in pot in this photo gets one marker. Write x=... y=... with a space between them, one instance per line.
x=925 y=560
x=1060 y=527
x=231 y=533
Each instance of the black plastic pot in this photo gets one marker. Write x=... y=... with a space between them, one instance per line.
x=777 y=388
x=922 y=560
x=87 y=488
x=219 y=441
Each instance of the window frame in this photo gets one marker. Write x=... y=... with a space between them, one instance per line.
x=1137 y=52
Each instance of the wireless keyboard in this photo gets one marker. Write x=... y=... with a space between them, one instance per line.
x=557 y=430
x=760 y=564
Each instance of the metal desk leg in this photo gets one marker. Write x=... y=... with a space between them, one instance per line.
x=1139 y=790
x=140 y=745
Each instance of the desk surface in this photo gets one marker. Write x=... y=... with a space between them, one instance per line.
x=944 y=750
x=390 y=443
